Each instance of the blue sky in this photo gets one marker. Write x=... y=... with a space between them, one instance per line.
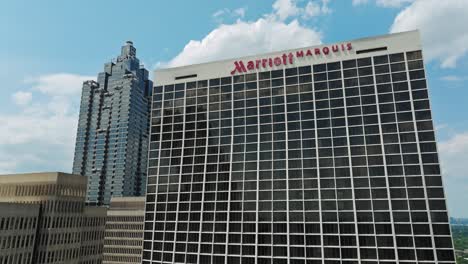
x=49 y=47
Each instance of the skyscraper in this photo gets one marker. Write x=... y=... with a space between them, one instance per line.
x=112 y=138
x=322 y=154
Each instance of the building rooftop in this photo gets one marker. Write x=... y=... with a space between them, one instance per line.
x=390 y=43
x=43 y=177
x=127 y=203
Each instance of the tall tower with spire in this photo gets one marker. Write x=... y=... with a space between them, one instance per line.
x=112 y=137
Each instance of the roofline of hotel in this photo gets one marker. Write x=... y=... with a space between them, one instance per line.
x=278 y=51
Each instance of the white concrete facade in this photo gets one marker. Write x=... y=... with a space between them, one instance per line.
x=399 y=42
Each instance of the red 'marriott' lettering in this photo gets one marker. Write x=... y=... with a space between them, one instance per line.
x=288 y=58
x=250 y=65
x=257 y=63
x=239 y=67
x=284 y=59
x=277 y=61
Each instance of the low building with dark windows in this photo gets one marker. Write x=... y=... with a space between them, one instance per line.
x=323 y=154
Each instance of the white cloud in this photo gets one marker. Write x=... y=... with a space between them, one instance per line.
x=22 y=98
x=439 y=127
x=41 y=134
x=384 y=3
x=359 y=2
x=221 y=14
x=442 y=25
x=25 y=128
x=284 y=9
x=266 y=34
x=312 y=9
x=454 y=78
x=58 y=84
x=456 y=145
x=393 y=3
x=243 y=38
x=454 y=154
x=325 y=8
x=7 y=164
x=240 y=11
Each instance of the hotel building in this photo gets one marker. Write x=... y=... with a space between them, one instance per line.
x=322 y=154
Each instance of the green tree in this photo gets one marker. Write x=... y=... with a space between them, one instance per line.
x=460 y=241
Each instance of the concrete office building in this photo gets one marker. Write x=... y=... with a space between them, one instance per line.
x=112 y=137
x=124 y=230
x=18 y=225
x=63 y=223
x=92 y=234
x=323 y=154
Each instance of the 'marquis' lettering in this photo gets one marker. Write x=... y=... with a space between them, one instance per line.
x=287 y=59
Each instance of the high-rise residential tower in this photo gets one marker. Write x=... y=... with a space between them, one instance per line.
x=112 y=138
x=322 y=154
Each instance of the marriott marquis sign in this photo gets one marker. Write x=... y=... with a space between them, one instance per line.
x=285 y=59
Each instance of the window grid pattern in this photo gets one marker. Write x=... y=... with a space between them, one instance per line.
x=329 y=163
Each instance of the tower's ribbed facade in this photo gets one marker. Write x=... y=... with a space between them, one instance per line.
x=112 y=138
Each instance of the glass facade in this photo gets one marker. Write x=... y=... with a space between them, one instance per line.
x=325 y=163
x=112 y=137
